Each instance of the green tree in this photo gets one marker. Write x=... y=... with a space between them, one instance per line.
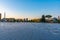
x=48 y=16
x=43 y=18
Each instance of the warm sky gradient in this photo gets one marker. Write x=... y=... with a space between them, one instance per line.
x=29 y=8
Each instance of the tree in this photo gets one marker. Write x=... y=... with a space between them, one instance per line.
x=43 y=18
x=48 y=16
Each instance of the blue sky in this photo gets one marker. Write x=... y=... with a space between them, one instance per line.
x=29 y=8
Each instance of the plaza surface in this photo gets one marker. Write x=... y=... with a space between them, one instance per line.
x=29 y=31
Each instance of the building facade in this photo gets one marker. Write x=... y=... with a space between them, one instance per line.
x=0 y=16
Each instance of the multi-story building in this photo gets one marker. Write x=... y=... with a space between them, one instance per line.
x=25 y=19
x=0 y=16
x=58 y=17
x=10 y=19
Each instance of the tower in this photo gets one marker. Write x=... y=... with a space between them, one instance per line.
x=4 y=15
x=0 y=16
x=58 y=17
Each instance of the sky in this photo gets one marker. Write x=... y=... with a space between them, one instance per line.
x=29 y=8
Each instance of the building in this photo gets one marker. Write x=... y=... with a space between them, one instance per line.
x=4 y=15
x=25 y=19
x=18 y=20
x=10 y=19
x=58 y=17
x=0 y=16
x=4 y=19
x=55 y=20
